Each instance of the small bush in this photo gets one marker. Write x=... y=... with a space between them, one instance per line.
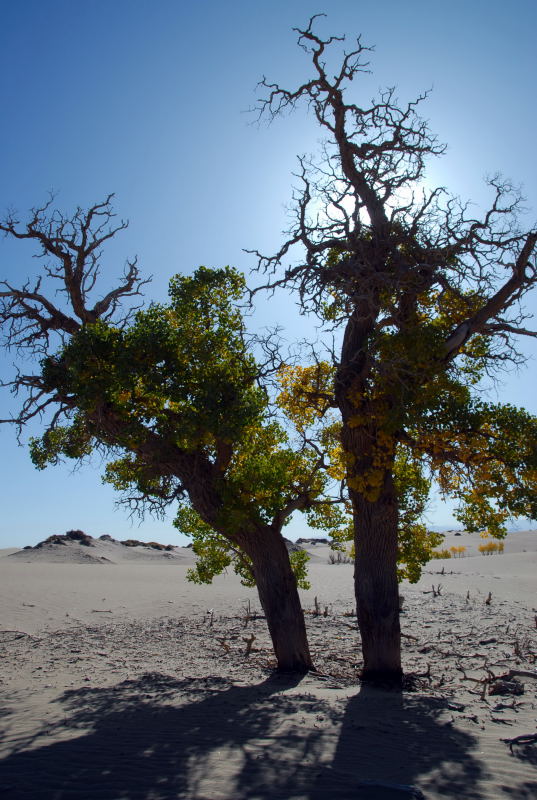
x=312 y=540
x=79 y=536
x=490 y=548
x=458 y=552
x=152 y=545
x=64 y=538
x=158 y=546
x=441 y=554
x=340 y=558
x=56 y=538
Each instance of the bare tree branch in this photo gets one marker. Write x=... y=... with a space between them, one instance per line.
x=368 y=231
x=73 y=244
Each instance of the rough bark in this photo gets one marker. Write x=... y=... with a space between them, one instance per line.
x=375 y=521
x=376 y=587
x=279 y=599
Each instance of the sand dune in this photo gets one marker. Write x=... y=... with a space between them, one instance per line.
x=105 y=549
x=119 y=679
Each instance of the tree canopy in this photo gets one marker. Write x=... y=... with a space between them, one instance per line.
x=181 y=376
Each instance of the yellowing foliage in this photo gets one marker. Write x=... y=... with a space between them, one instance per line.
x=490 y=548
x=306 y=392
x=441 y=553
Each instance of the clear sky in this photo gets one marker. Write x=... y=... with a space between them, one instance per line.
x=148 y=99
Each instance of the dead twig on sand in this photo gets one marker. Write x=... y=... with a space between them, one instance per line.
x=250 y=615
x=519 y=673
x=524 y=738
x=499 y=684
x=435 y=591
x=17 y=635
x=247 y=614
x=249 y=643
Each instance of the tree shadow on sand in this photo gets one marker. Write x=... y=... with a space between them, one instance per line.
x=156 y=738
x=389 y=741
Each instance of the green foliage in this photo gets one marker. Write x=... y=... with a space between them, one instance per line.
x=266 y=471
x=213 y=551
x=180 y=379
x=299 y=564
x=332 y=518
x=484 y=455
x=72 y=441
x=416 y=546
x=182 y=369
x=129 y=472
x=215 y=554
x=416 y=543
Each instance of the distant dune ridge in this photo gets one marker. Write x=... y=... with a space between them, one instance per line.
x=77 y=547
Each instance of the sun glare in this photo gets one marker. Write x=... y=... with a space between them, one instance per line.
x=339 y=207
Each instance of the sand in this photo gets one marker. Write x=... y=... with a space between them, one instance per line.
x=118 y=679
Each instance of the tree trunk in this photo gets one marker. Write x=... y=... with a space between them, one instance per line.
x=271 y=567
x=279 y=598
x=376 y=586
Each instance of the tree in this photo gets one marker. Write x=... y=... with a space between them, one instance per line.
x=428 y=301
x=172 y=395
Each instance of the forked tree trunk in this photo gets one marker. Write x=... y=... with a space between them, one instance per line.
x=376 y=587
x=280 y=601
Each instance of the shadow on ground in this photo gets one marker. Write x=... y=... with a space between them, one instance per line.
x=156 y=738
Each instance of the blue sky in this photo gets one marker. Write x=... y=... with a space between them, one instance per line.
x=148 y=99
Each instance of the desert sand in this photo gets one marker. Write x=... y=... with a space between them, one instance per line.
x=119 y=680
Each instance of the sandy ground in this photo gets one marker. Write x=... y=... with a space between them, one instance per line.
x=120 y=680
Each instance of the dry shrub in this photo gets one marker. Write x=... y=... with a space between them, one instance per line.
x=64 y=538
x=340 y=558
x=441 y=554
x=152 y=545
x=490 y=548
